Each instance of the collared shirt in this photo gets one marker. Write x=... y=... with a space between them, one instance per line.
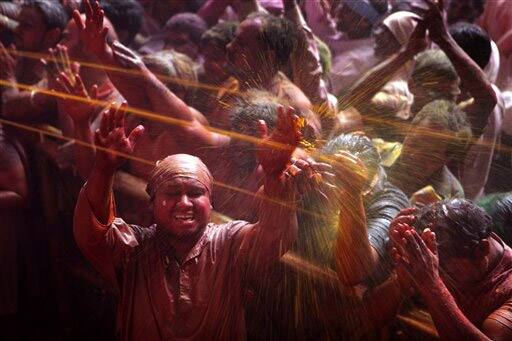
x=160 y=298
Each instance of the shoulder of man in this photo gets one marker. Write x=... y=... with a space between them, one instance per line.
x=225 y=231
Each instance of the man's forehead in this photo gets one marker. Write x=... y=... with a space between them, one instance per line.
x=183 y=182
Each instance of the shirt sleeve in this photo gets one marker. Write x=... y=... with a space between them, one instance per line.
x=503 y=316
x=106 y=246
x=381 y=208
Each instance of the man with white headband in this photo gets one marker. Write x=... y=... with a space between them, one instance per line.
x=183 y=277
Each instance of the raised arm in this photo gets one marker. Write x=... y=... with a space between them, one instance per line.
x=276 y=229
x=114 y=146
x=375 y=79
x=473 y=79
x=355 y=257
x=307 y=70
x=93 y=35
x=103 y=242
x=180 y=117
x=81 y=114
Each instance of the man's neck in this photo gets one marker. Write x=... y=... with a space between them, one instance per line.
x=181 y=246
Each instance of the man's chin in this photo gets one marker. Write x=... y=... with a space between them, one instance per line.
x=184 y=230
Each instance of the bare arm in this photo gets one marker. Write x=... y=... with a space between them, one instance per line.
x=473 y=78
x=355 y=257
x=307 y=70
x=177 y=114
x=155 y=96
x=375 y=79
x=276 y=228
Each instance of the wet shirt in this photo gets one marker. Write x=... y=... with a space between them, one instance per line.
x=159 y=298
x=492 y=296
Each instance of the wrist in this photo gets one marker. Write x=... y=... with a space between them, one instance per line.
x=432 y=287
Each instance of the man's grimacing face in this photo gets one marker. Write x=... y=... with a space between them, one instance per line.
x=182 y=207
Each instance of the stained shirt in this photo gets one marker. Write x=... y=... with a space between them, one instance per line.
x=159 y=298
x=491 y=297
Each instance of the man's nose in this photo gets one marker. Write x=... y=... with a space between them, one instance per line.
x=185 y=200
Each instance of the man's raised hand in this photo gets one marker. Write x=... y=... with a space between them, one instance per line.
x=434 y=19
x=277 y=148
x=115 y=145
x=92 y=32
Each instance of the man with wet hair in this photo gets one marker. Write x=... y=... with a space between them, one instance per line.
x=462 y=270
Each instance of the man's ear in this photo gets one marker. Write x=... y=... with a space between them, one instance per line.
x=52 y=37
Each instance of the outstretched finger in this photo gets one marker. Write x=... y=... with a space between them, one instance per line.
x=63 y=77
x=88 y=9
x=78 y=20
x=98 y=15
x=63 y=85
x=112 y=117
x=55 y=60
x=104 y=124
x=79 y=86
x=135 y=134
x=75 y=68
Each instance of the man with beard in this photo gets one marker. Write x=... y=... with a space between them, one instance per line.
x=184 y=277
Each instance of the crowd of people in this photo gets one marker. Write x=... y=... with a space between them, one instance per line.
x=313 y=169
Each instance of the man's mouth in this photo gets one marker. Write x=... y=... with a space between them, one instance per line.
x=185 y=217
